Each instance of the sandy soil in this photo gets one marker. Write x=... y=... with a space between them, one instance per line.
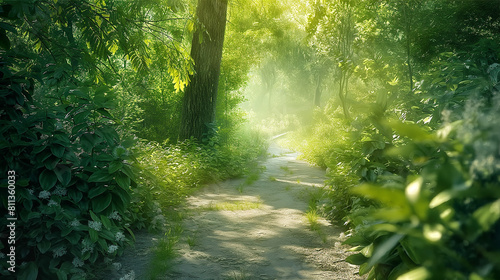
x=273 y=241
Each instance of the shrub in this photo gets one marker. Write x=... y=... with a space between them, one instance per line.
x=73 y=178
x=442 y=222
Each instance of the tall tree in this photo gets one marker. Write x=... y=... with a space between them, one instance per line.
x=200 y=97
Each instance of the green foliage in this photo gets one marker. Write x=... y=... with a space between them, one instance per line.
x=74 y=177
x=442 y=222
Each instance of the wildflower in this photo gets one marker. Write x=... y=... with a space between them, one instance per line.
x=59 y=252
x=129 y=276
x=74 y=223
x=60 y=191
x=119 y=236
x=44 y=195
x=115 y=216
x=31 y=191
x=77 y=263
x=87 y=246
x=112 y=249
x=117 y=266
x=52 y=203
x=95 y=225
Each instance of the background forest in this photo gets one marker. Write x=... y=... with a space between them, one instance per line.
x=397 y=100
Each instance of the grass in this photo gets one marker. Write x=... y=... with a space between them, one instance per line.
x=233 y=206
x=164 y=251
x=240 y=275
x=191 y=241
x=312 y=218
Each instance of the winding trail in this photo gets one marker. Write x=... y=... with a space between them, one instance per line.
x=271 y=241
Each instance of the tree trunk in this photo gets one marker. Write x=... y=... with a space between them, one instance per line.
x=199 y=103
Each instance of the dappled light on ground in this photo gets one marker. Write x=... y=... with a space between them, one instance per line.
x=272 y=241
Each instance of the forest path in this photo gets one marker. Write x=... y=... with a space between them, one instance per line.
x=268 y=237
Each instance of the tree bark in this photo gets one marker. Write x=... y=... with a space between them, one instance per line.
x=200 y=97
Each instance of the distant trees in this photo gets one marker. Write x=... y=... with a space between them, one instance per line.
x=199 y=104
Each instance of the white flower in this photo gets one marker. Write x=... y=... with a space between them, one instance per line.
x=117 y=266
x=95 y=225
x=52 y=203
x=112 y=249
x=60 y=191
x=59 y=252
x=115 y=216
x=44 y=195
x=87 y=246
x=119 y=236
x=77 y=263
x=31 y=191
x=129 y=276
x=74 y=223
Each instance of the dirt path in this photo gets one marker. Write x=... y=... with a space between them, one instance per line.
x=260 y=231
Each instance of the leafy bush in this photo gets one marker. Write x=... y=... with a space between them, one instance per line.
x=442 y=221
x=73 y=178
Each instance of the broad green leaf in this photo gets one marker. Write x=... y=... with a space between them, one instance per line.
x=63 y=175
x=57 y=150
x=123 y=180
x=106 y=222
x=75 y=195
x=101 y=202
x=100 y=176
x=94 y=216
x=115 y=166
x=94 y=236
x=388 y=196
x=356 y=259
x=61 y=275
x=95 y=191
x=51 y=162
x=47 y=179
x=420 y=273
x=383 y=249
x=30 y=272
x=488 y=215
x=412 y=131
x=43 y=246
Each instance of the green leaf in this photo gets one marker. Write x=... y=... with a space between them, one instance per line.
x=75 y=195
x=383 y=249
x=73 y=238
x=94 y=236
x=43 y=246
x=95 y=191
x=106 y=221
x=388 y=196
x=123 y=180
x=488 y=215
x=101 y=202
x=100 y=176
x=51 y=162
x=94 y=216
x=115 y=166
x=420 y=273
x=61 y=275
x=47 y=179
x=412 y=131
x=63 y=175
x=356 y=259
x=30 y=272
x=57 y=150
